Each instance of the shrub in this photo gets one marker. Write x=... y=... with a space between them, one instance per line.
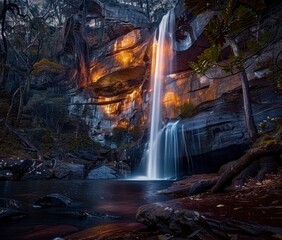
x=187 y=110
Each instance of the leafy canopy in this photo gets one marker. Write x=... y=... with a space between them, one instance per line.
x=46 y=65
x=231 y=18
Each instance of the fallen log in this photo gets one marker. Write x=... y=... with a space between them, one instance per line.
x=243 y=162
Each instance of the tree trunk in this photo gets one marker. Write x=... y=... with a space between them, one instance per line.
x=252 y=155
x=248 y=112
x=9 y=112
x=20 y=108
x=3 y=52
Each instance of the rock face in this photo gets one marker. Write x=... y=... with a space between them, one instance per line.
x=63 y=170
x=103 y=172
x=118 y=92
x=119 y=67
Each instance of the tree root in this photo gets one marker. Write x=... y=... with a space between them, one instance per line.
x=245 y=161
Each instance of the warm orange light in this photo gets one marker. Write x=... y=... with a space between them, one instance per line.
x=97 y=74
x=171 y=102
x=123 y=123
x=124 y=58
x=111 y=108
x=171 y=99
x=125 y=42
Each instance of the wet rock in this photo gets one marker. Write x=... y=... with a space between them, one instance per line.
x=76 y=171
x=103 y=172
x=11 y=214
x=64 y=170
x=38 y=172
x=250 y=212
x=12 y=204
x=18 y=167
x=54 y=200
x=88 y=154
x=60 y=170
x=6 y=175
x=49 y=232
x=168 y=218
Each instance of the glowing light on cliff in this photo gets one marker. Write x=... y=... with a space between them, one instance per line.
x=125 y=42
x=171 y=99
x=123 y=123
x=127 y=102
x=97 y=74
x=171 y=102
x=110 y=109
x=124 y=58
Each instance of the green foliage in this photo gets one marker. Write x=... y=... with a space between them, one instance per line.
x=231 y=21
x=11 y=146
x=72 y=143
x=47 y=142
x=46 y=65
x=255 y=45
x=270 y=131
x=187 y=110
x=234 y=64
x=207 y=59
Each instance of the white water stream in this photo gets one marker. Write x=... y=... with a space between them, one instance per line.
x=160 y=163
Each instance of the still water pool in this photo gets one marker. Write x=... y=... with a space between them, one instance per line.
x=107 y=200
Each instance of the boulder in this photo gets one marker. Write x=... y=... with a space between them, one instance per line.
x=17 y=166
x=38 y=172
x=11 y=209
x=12 y=204
x=168 y=218
x=11 y=214
x=103 y=172
x=6 y=175
x=62 y=170
x=54 y=200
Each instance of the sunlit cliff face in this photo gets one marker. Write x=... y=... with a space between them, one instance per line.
x=171 y=103
x=123 y=63
x=112 y=109
x=126 y=103
x=125 y=58
x=171 y=99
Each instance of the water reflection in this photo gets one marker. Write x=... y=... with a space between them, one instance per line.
x=108 y=201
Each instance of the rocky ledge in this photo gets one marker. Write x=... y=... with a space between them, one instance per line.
x=252 y=211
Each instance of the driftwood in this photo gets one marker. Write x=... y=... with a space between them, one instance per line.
x=251 y=155
x=25 y=141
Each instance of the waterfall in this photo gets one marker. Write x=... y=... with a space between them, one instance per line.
x=161 y=66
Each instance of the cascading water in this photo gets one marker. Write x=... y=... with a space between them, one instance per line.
x=157 y=167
